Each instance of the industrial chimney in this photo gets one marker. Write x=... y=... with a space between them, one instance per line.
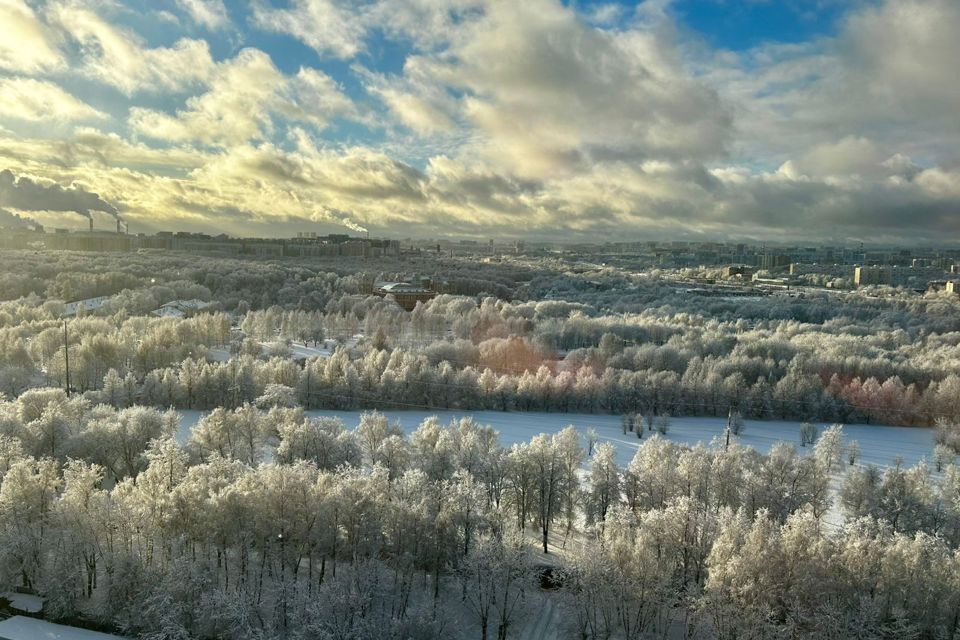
x=91 y=224
x=118 y=227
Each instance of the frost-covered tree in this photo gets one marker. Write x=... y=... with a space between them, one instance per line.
x=603 y=484
x=829 y=448
x=943 y=456
x=808 y=434
x=853 y=452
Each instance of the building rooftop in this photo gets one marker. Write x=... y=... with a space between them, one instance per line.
x=24 y=628
x=403 y=287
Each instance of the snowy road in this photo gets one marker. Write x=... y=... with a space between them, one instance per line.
x=543 y=624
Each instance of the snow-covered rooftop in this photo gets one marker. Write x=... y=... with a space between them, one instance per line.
x=23 y=628
x=403 y=287
x=180 y=308
x=71 y=308
x=23 y=601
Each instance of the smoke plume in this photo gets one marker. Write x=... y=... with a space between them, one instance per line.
x=341 y=217
x=26 y=195
x=12 y=220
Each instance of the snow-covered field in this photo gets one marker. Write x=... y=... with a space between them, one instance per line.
x=879 y=445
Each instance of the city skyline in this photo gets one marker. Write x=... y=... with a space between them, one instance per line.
x=579 y=121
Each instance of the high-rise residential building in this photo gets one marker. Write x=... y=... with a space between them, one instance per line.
x=863 y=276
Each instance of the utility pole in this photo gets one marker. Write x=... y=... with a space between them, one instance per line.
x=726 y=446
x=66 y=355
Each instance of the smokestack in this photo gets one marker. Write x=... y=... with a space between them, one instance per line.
x=91 y=223
x=118 y=227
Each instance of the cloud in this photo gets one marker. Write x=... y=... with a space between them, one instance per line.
x=414 y=99
x=851 y=156
x=427 y=24
x=238 y=105
x=39 y=100
x=341 y=28
x=312 y=96
x=249 y=185
x=905 y=53
x=886 y=75
x=552 y=95
x=537 y=118
x=118 y=56
x=922 y=207
x=231 y=111
x=329 y=27
x=211 y=14
x=88 y=150
x=605 y=14
x=26 y=45
x=25 y=194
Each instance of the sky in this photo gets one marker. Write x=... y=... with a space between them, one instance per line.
x=562 y=120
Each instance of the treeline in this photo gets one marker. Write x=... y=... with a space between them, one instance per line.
x=864 y=359
x=33 y=353
x=273 y=524
x=402 y=379
x=233 y=281
x=163 y=362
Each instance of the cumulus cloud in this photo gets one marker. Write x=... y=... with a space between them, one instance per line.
x=26 y=43
x=414 y=98
x=312 y=96
x=87 y=151
x=428 y=24
x=535 y=117
x=231 y=111
x=211 y=14
x=330 y=27
x=36 y=100
x=119 y=57
x=887 y=75
x=340 y=28
x=553 y=95
x=778 y=204
x=238 y=105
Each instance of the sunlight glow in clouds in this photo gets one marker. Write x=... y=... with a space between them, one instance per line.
x=540 y=118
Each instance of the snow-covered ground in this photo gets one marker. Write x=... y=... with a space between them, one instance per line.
x=324 y=349
x=879 y=445
x=219 y=354
x=23 y=628
x=23 y=601
x=298 y=350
